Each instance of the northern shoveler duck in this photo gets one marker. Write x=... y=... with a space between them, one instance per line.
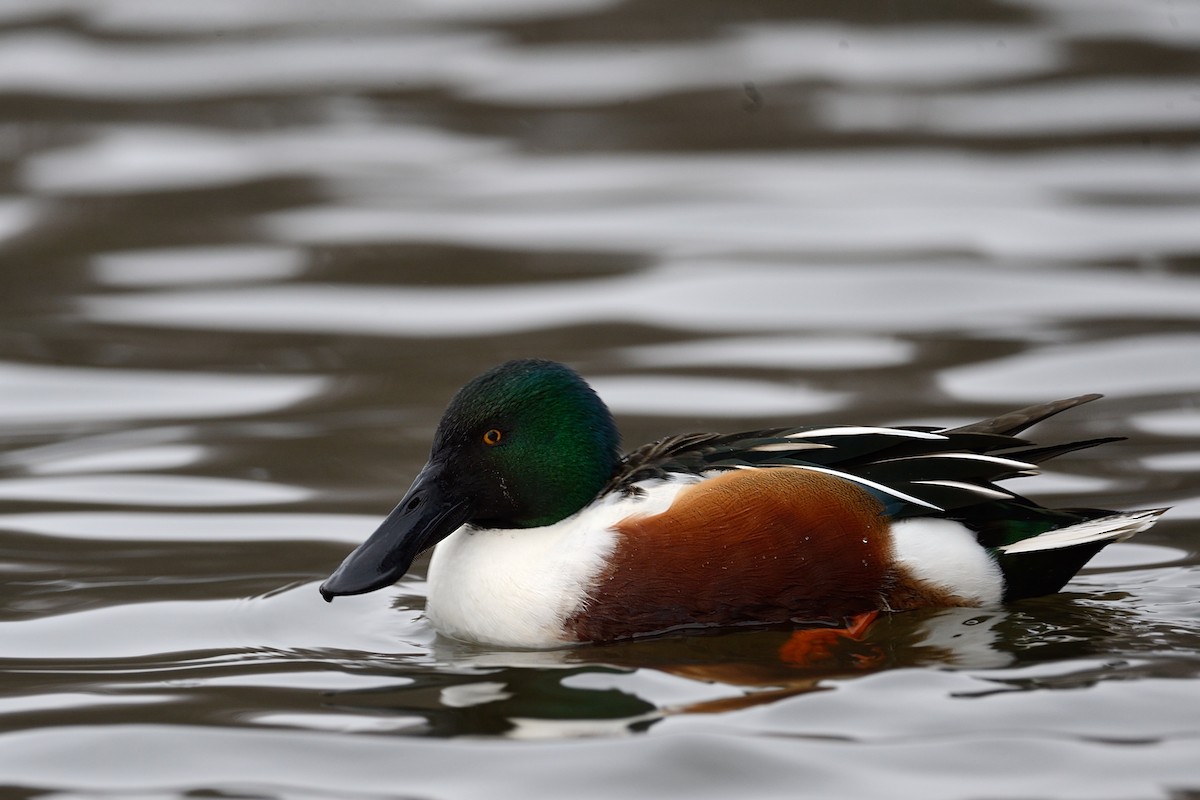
x=547 y=536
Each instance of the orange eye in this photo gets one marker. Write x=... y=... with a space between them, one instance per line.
x=492 y=437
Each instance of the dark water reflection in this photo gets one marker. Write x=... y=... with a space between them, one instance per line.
x=250 y=249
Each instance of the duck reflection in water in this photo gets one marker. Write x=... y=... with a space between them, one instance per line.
x=619 y=687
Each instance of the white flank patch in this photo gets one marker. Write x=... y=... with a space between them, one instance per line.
x=517 y=587
x=945 y=555
x=1116 y=528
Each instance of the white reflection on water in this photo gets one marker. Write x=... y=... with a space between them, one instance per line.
x=1173 y=462
x=482 y=65
x=413 y=184
x=609 y=73
x=1051 y=482
x=472 y=170
x=1165 y=22
x=139 y=459
x=1129 y=367
x=134 y=158
x=154 y=16
x=485 y=65
x=16 y=216
x=151 y=490
x=713 y=297
x=38 y=394
x=1103 y=711
x=1168 y=22
x=1069 y=107
x=123 y=526
x=323 y=681
x=794 y=352
x=343 y=723
x=291 y=620
x=131 y=450
x=693 y=758
x=188 y=265
x=62 y=64
x=1172 y=422
x=675 y=396
x=73 y=700
x=1005 y=230
x=1131 y=554
x=1011 y=206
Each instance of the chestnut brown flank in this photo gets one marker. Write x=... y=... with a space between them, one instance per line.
x=764 y=545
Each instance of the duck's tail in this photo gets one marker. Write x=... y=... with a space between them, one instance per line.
x=1043 y=564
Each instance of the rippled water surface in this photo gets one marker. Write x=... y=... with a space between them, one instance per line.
x=250 y=248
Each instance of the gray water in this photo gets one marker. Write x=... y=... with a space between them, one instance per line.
x=248 y=249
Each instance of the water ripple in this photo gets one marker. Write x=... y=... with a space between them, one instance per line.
x=1131 y=366
x=696 y=296
x=239 y=235
x=38 y=395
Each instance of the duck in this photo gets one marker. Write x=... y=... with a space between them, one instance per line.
x=546 y=535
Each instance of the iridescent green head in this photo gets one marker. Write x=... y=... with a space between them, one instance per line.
x=524 y=445
x=529 y=441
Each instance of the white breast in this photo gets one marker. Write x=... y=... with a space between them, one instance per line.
x=518 y=587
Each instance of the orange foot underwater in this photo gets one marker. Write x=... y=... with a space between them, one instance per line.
x=817 y=646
